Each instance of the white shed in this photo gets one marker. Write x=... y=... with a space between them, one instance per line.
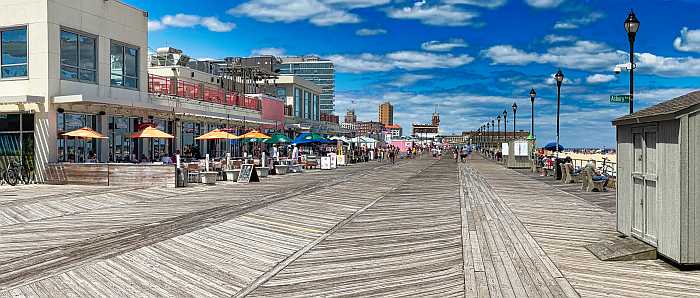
x=658 y=166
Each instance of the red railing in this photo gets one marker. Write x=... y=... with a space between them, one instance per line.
x=168 y=86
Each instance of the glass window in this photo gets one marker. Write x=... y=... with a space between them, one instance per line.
x=124 y=66
x=13 y=46
x=281 y=93
x=307 y=105
x=10 y=122
x=78 y=57
x=297 y=102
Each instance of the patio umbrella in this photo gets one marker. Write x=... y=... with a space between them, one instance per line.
x=151 y=132
x=217 y=135
x=308 y=138
x=552 y=146
x=254 y=135
x=278 y=138
x=83 y=133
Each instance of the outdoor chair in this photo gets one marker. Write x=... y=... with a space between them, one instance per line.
x=193 y=173
x=589 y=185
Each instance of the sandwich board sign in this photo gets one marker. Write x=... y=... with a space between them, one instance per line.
x=248 y=174
x=620 y=98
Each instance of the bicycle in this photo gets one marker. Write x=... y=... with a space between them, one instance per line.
x=17 y=172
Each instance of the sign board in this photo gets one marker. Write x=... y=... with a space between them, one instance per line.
x=521 y=149
x=341 y=160
x=504 y=149
x=334 y=160
x=248 y=174
x=620 y=98
x=325 y=163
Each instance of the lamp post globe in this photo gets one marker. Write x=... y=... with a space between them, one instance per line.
x=631 y=26
x=533 y=94
x=560 y=78
x=515 y=111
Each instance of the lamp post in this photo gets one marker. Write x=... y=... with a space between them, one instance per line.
x=559 y=78
x=631 y=26
x=505 y=125
x=499 y=128
x=488 y=137
x=515 y=110
x=533 y=94
x=493 y=138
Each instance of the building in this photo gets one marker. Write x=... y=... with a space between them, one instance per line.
x=427 y=131
x=85 y=63
x=394 y=131
x=349 y=126
x=369 y=128
x=301 y=96
x=350 y=117
x=386 y=113
x=658 y=169
x=455 y=139
x=316 y=70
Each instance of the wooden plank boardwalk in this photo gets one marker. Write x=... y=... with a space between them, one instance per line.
x=421 y=228
x=562 y=224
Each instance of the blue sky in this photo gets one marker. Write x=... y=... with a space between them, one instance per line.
x=472 y=57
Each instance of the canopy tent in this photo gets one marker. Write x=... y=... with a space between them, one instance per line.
x=552 y=146
x=278 y=138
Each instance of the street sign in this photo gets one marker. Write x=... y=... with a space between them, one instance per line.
x=620 y=98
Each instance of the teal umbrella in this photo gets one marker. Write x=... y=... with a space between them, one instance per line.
x=278 y=138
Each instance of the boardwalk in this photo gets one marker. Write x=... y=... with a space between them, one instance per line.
x=422 y=228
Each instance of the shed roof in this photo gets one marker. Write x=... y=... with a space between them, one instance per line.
x=663 y=111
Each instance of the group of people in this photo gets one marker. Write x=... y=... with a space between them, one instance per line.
x=550 y=162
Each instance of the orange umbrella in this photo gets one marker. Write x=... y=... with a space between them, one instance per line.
x=85 y=133
x=217 y=134
x=254 y=135
x=151 y=133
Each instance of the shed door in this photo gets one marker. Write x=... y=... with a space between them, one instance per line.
x=645 y=222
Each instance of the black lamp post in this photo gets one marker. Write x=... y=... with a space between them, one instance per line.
x=499 y=129
x=533 y=94
x=488 y=136
x=631 y=26
x=559 y=78
x=493 y=138
x=505 y=125
x=515 y=110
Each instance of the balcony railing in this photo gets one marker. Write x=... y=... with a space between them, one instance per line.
x=172 y=87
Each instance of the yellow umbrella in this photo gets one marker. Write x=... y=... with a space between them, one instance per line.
x=254 y=135
x=151 y=133
x=85 y=133
x=217 y=134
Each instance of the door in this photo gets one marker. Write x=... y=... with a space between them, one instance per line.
x=644 y=177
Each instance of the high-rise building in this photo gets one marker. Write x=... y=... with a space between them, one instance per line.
x=316 y=70
x=386 y=113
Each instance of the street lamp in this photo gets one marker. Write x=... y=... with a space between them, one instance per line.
x=559 y=78
x=488 y=137
x=515 y=110
x=631 y=26
x=533 y=94
x=493 y=138
x=499 y=130
x=505 y=125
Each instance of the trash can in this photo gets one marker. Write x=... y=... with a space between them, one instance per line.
x=181 y=177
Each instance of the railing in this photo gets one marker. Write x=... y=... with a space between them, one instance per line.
x=168 y=86
x=609 y=168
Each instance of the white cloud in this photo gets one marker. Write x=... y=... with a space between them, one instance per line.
x=668 y=66
x=357 y=3
x=268 y=51
x=443 y=46
x=507 y=54
x=553 y=38
x=578 y=22
x=544 y=3
x=689 y=41
x=334 y=17
x=480 y=3
x=317 y=12
x=410 y=60
x=409 y=79
x=369 y=32
x=182 y=20
x=600 y=78
x=155 y=25
x=438 y=15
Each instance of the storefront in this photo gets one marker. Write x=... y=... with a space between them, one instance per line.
x=72 y=149
x=17 y=139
